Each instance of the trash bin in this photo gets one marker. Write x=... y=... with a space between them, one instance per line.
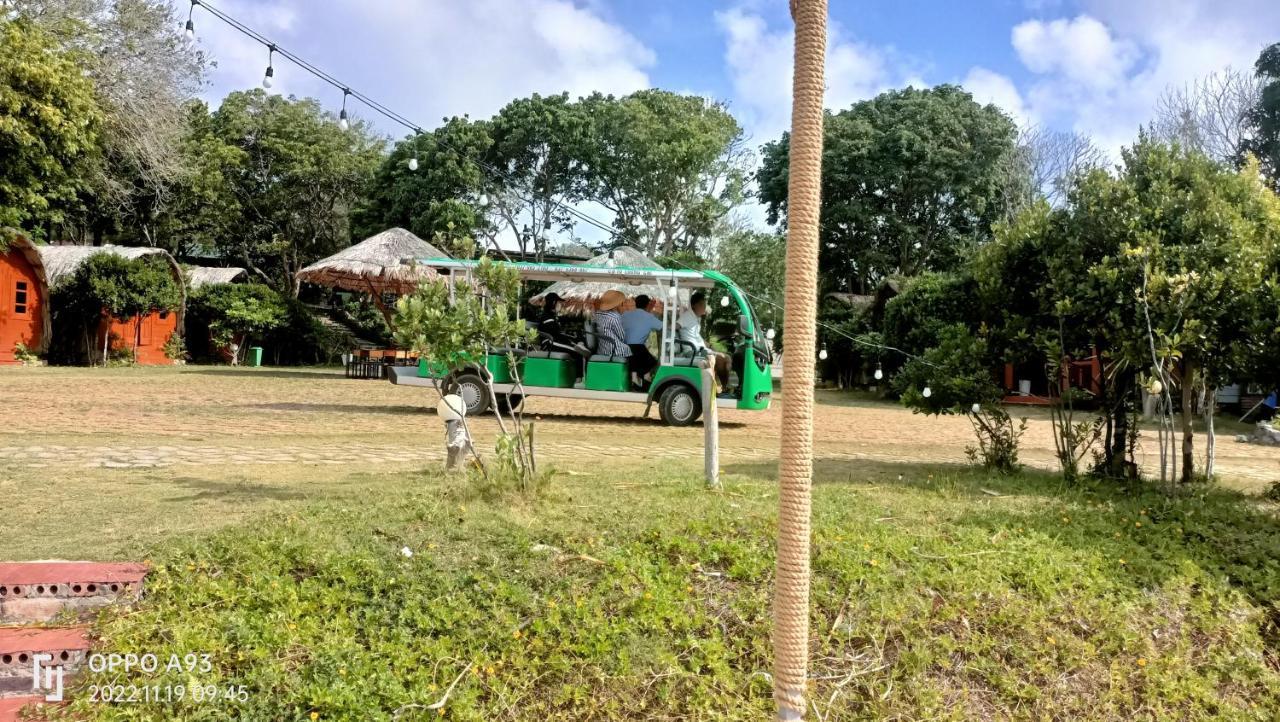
x=255 y=356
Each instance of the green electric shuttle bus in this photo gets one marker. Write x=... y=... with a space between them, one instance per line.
x=677 y=383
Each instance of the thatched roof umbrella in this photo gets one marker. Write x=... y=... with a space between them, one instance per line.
x=376 y=266
x=578 y=297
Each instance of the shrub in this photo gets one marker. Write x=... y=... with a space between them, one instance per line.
x=237 y=315
x=954 y=377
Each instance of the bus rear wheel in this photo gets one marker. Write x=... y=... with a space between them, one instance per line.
x=679 y=405
x=510 y=403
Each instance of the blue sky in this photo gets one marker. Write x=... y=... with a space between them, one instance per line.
x=1093 y=66
x=1096 y=66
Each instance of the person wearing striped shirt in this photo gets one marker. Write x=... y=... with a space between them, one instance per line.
x=610 y=337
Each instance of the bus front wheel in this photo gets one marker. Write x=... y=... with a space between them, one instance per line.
x=679 y=405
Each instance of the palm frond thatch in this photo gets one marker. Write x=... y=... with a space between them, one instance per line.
x=579 y=297
x=376 y=265
x=61 y=262
x=198 y=276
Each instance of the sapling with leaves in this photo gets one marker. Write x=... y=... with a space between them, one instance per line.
x=455 y=329
x=953 y=378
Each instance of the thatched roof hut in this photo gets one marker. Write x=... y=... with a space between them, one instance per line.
x=579 y=297
x=376 y=265
x=61 y=262
x=198 y=276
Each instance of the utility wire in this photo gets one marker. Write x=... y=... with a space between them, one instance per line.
x=493 y=170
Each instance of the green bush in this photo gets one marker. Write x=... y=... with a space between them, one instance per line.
x=123 y=287
x=242 y=314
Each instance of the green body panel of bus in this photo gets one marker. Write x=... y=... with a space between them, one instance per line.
x=607 y=376
x=556 y=373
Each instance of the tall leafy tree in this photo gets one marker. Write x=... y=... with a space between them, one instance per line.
x=294 y=175
x=538 y=145
x=908 y=179
x=438 y=199
x=1265 y=116
x=668 y=166
x=143 y=72
x=49 y=125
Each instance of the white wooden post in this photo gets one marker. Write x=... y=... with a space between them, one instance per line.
x=710 y=426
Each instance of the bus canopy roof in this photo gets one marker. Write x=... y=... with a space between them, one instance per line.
x=578 y=274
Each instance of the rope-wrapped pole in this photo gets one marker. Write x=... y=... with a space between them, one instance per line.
x=795 y=467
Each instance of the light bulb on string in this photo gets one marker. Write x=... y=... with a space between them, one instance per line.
x=770 y=334
x=724 y=301
x=343 y=123
x=671 y=292
x=268 y=77
x=822 y=355
x=190 y=29
x=413 y=162
x=879 y=372
x=927 y=392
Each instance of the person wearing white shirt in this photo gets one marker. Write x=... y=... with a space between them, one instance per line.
x=689 y=330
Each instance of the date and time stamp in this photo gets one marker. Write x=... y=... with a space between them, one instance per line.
x=48 y=678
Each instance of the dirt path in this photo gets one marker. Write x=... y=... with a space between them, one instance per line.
x=140 y=418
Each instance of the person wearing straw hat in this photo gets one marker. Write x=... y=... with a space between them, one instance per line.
x=610 y=338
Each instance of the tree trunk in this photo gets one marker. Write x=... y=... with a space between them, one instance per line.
x=1188 y=411
x=1122 y=392
x=1210 y=402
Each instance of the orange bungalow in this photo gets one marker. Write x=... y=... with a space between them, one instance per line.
x=146 y=335
x=24 y=311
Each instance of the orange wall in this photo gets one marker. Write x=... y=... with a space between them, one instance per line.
x=25 y=327
x=151 y=332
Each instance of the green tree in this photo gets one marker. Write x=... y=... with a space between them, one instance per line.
x=49 y=125
x=455 y=328
x=668 y=166
x=1265 y=143
x=538 y=143
x=143 y=72
x=294 y=175
x=909 y=179
x=119 y=287
x=438 y=200
x=238 y=314
x=954 y=377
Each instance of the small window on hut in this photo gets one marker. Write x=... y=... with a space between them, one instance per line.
x=20 y=297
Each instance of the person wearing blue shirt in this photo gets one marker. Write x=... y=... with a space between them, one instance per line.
x=637 y=324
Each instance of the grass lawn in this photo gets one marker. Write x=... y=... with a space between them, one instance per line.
x=629 y=591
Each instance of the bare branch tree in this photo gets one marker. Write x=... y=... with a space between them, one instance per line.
x=1048 y=160
x=1210 y=114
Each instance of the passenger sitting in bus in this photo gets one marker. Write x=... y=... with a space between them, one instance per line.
x=549 y=326
x=637 y=325
x=549 y=321
x=689 y=330
x=610 y=338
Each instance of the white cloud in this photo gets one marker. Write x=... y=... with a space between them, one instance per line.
x=1081 y=50
x=759 y=64
x=1102 y=72
x=430 y=60
x=988 y=86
